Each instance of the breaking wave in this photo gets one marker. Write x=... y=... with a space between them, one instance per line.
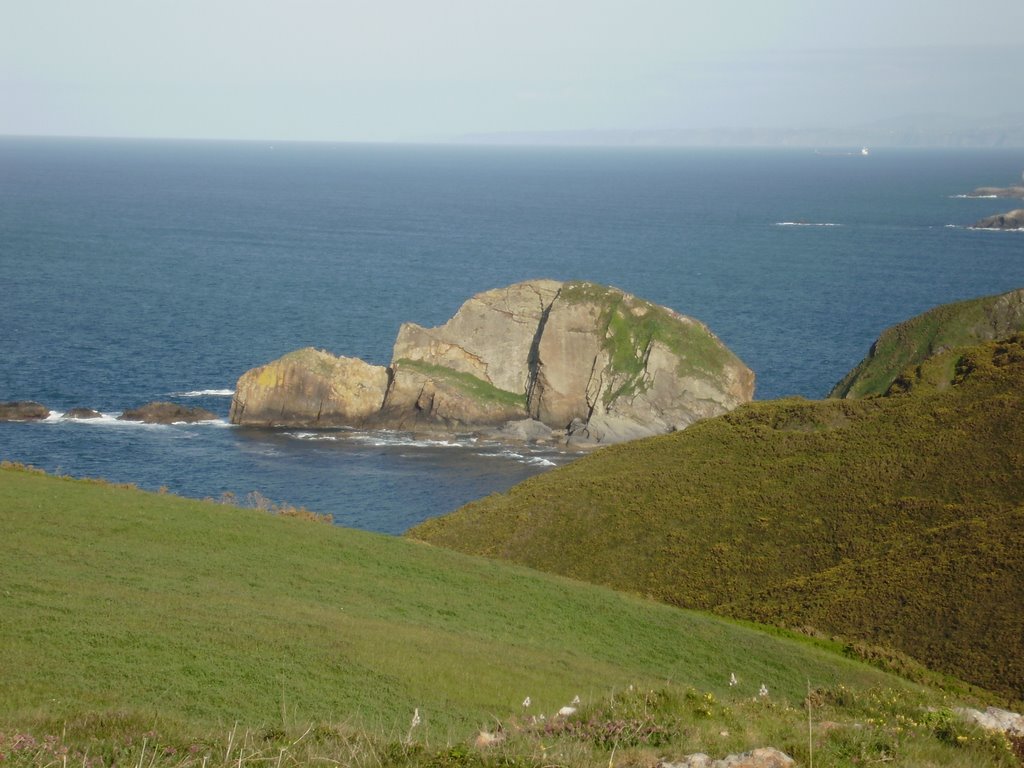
x=806 y=224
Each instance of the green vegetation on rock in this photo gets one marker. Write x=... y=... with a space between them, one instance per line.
x=910 y=343
x=892 y=521
x=632 y=325
x=473 y=387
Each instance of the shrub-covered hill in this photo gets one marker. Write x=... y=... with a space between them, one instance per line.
x=894 y=521
x=940 y=329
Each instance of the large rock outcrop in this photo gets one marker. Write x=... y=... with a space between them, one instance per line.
x=309 y=388
x=593 y=361
x=905 y=346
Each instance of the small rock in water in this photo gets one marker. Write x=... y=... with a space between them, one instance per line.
x=23 y=410
x=167 y=413
x=82 y=413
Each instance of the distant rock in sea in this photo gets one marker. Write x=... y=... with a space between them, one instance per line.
x=1010 y=192
x=23 y=410
x=1010 y=220
x=167 y=413
x=592 y=363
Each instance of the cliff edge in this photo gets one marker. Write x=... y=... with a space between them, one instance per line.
x=901 y=349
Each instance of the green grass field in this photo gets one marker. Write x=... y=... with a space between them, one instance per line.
x=132 y=620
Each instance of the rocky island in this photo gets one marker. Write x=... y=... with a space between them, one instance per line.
x=1010 y=220
x=537 y=360
x=1010 y=192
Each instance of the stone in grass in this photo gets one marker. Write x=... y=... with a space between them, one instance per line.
x=766 y=757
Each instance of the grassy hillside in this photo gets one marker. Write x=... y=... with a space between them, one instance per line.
x=946 y=327
x=895 y=521
x=227 y=635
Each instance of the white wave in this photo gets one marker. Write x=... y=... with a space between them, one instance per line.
x=311 y=436
x=205 y=393
x=218 y=422
x=973 y=197
x=384 y=439
x=806 y=224
x=538 y=461
x=104 y=419
x=994 y=229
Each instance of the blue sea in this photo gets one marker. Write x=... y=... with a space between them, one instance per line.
x=133 y=271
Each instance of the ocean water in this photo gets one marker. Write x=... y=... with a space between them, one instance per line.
x=133 y=271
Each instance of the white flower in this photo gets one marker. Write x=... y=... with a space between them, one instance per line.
x=575 y=700
x=732 y=679
x=566 y=711
x=415 y=717
x=764 y=690
x=526 y=701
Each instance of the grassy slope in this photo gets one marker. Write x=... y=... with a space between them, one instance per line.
x=201 y=614
x=909 y=343
x=809 y=507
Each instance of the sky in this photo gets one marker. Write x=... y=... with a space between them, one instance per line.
x=402 y=70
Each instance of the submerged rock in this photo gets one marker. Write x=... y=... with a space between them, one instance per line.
x=550 y=352
x=1010 y=220
x=166 y=413
x=82 y=413
x=23 y=410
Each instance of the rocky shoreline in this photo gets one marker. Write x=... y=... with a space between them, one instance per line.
x=150 y=413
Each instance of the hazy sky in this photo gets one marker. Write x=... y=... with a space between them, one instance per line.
x=384 y=70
